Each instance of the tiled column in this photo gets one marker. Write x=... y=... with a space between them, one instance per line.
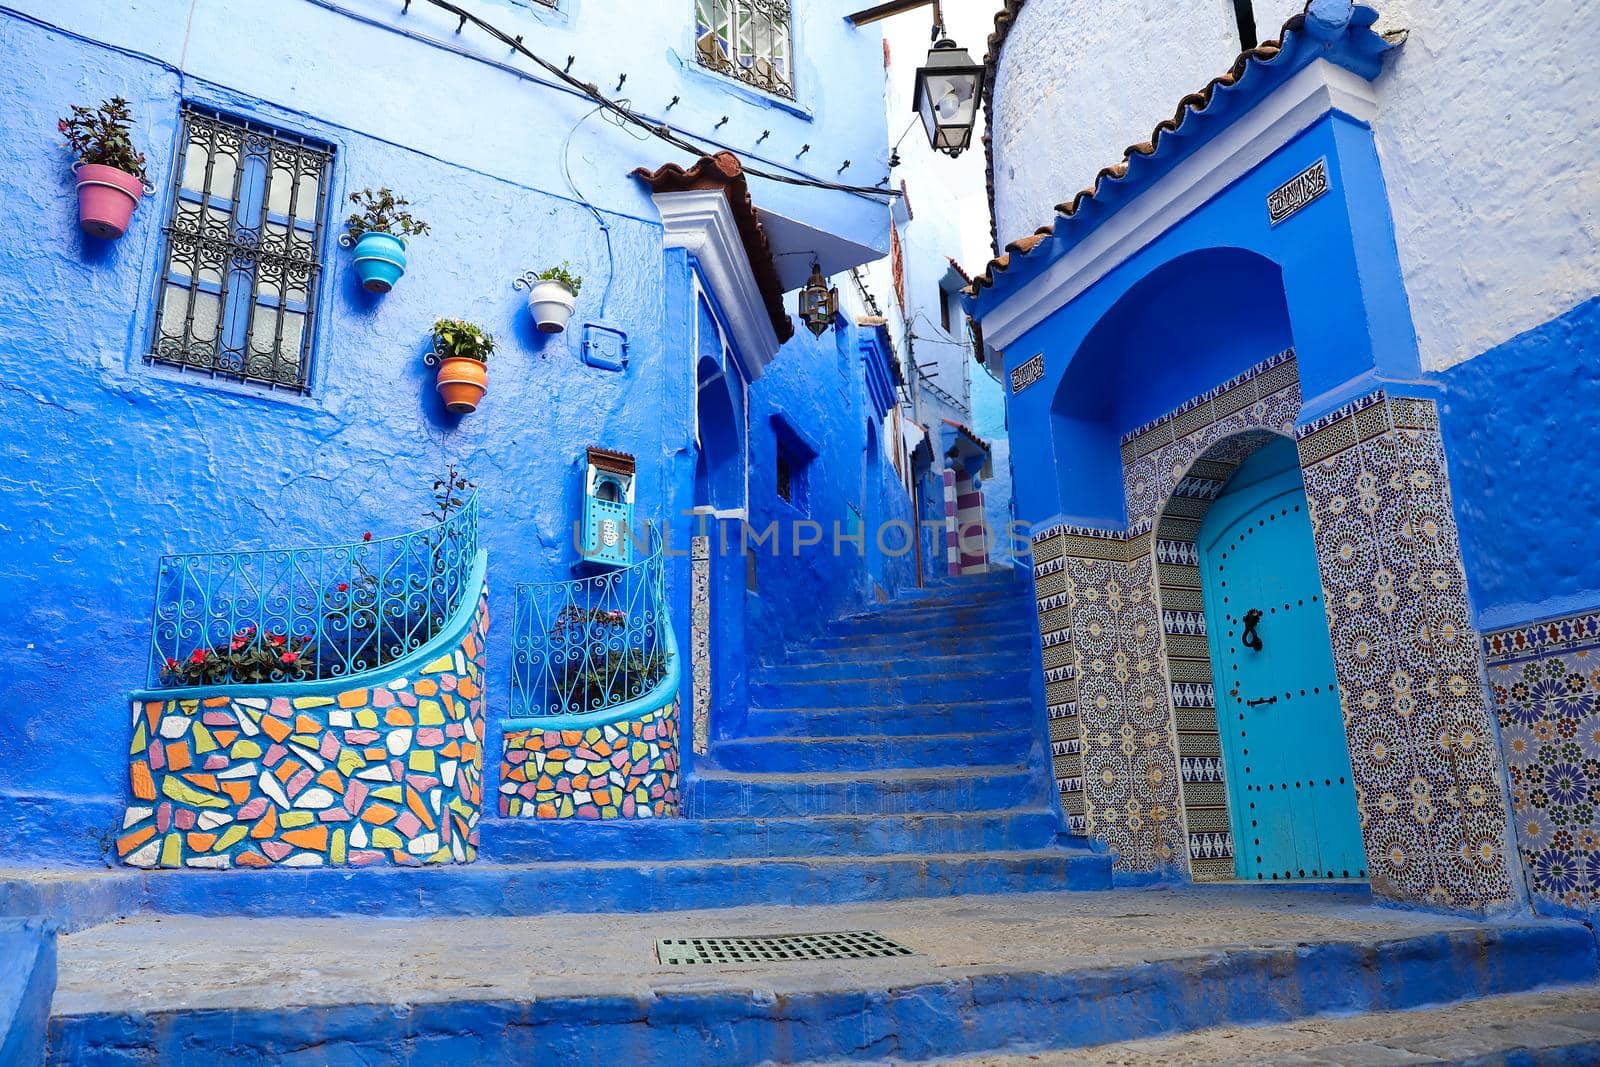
x=1410 y=669
x=700 y=642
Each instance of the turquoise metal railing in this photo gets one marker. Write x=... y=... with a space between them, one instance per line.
x=295 y=615
x=590 y=644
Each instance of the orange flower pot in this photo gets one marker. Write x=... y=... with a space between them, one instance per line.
x=462 y=383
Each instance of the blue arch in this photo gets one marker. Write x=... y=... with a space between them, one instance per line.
x=1190 y=323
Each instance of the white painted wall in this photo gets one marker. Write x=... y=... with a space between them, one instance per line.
x=1485 y=131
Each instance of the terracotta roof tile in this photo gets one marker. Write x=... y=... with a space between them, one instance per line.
x=1191 y=104
x=968 y=434
x=723 y=171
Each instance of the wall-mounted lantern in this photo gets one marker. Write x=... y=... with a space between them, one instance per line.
x=608 y=508
x=818 y=303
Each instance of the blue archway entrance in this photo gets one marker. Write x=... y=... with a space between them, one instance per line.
x=1284 y=748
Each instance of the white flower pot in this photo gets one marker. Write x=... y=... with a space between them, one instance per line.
x=551 y=304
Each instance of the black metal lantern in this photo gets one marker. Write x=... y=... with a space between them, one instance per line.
x=949 y=89
x=818 y=303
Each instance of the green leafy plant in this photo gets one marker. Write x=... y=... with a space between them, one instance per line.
x=458 y=338
x=248 y=656
x=597 y=670
x=383 y=212
x=446 y=490
x=562 y=274
x=103 y=136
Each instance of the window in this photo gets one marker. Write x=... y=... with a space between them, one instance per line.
x=793 y=454
x=785 y=477
x=243 y=254
x=748 y=40
x=944 y=308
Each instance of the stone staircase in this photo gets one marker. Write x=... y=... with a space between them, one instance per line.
x=897 y=754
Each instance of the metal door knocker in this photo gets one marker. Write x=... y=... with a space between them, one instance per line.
x=1251 y=639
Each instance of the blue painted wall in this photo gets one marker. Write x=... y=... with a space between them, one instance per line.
x=1516 y=425
x=27 y=984
x=122 y=461
x=1209 y=298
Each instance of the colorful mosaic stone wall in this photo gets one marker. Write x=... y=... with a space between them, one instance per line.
x=1546 y=684
x=1410 y=667
x=624 y=770
x=386 y=773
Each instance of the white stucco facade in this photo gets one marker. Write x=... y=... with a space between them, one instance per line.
x=1490 y=245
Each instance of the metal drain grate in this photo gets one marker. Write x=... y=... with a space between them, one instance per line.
x=845 y=945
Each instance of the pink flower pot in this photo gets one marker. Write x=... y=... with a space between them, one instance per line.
x=106 y=199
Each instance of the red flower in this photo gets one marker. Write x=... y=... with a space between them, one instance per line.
x=237 y=644
x=344 y=587
x=277 y=640
x=197 y=656
x=367 y=536
x=172 y=664
x=288 y=659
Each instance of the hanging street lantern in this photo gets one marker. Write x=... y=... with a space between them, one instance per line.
x=818 y=303
x=949 y=87
x=947 y=94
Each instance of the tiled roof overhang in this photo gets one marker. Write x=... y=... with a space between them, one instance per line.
x=723 y=172
x=963 y=431
x=1344 y=38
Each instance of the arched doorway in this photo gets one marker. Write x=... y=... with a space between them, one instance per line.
x=1286 y=758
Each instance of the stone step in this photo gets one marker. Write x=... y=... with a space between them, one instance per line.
x=545 y=840
x=912 y=646
x=604 y=885
x=893 y=720
x=868 y=664
x=918 y=689
x=934 y=621
x=857 y=752
x=1553 y=1028
x=729 y=794
x=985 y=975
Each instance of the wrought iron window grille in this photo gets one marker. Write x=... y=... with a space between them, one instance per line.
x=586 y=645
x=231 y=618
x=246 y=221
x=749 y=40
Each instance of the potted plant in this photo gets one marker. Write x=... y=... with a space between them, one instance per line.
x=462 y=351
x=110 y=169
x=378 y=234
x=552 y=294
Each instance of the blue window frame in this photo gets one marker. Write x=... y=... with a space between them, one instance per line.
x=246 y=218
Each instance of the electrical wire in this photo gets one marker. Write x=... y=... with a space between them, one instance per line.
x=605 y=227
x=626 y=114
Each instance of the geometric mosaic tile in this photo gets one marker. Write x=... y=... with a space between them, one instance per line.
x=1127 y=665
x=1409 y=663
x=1545 y=680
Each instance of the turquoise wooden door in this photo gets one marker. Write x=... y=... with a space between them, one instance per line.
x=1284 y=747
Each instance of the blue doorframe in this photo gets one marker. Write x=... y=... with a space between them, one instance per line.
x=1284 y=748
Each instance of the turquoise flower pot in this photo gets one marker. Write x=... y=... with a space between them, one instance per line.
x=380 y=260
